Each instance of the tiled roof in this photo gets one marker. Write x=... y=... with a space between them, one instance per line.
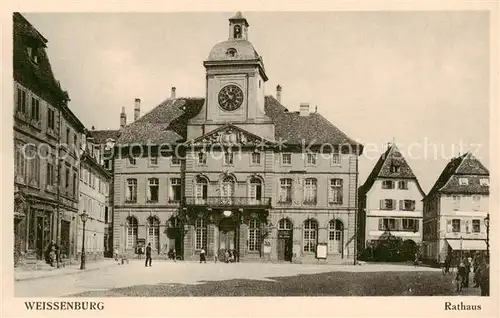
x=465 y=165
x=39 y=77
x=101 y=136
x=382 y=169
x=167 y=123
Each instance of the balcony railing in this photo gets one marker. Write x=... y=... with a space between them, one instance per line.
x=227 y=202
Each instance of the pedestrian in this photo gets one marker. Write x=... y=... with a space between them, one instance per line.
x=148 y=255
x=203 y=257
x=467 y=272
x=115 y=252
x=174 y=255
x=460 y=277
x=484 y=278
x=215 y=256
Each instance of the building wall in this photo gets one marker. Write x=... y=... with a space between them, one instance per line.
x=374 y=213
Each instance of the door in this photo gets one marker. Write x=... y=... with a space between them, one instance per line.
x=65 y=227
x=281 y=249
x=288 y=250
x=227 y=235
x=39 y=237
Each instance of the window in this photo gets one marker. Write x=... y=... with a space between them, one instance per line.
x=175 y=190
x=410 y=225
x=201 y=191
x=403 y=185
x=335 y=158
x=227 y=190
x=231 y=52
x=106 y=215
x=310 y=235
x=201 y=234
x=335 y=191
x=153 y=190
x=228 y=158
x=75 y=142
x=154 y=233
x=285 y=224
x=176 y=161
x=66 y=179
x=132 y=161
x=35 y=109
x=484 y=182
x=75 y=182
x=51 y=119
x=131 y=232
x=476 y=202
x=68 y=132
x=253 y=235
x=456 y=202
x=255 y=190
x=153 y=161
x=20 y=164
x=407 y=205
x=395 y=168
x=286 y=159
x=335 y=236
x=33 y=54
x=455 y=223
x=107 y=164
x=50 y=174
x=202 y=158
x=131 y=191
x=463 y=181
x=387 y=204
x=310 y=190
x=256 y=158
x=33 y=167
x=311 y=158
x=387 y=224
x=285 y=190
x=21 y=100
x=476 y=226
x=387 y=184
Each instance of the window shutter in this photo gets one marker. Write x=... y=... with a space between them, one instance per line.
x=398 y=225
x=381 y=204
x=462 y=225
x=417 y=225
x=394 y=202
x=381 y=224
x=148 y=191
x=401 y=205
x=448 y=226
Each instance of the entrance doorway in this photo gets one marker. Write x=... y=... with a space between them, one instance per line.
x=175 y=234
x=285 y=240
x=227 y=235
x=65 y=243
x=39 y=237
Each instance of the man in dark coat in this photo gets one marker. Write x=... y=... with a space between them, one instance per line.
x=148 y=255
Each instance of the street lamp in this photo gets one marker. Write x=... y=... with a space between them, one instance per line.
x=84 y=217
x=487 y=224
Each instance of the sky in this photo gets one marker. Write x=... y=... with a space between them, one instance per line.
x=420 y=79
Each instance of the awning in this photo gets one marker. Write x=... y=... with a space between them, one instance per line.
x=467 y=245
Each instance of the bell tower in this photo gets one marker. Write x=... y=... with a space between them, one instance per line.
x=235 y=78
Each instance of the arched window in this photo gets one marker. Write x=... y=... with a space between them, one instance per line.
x=154 y=233
x=227 y=189
x=255 y=190
x=132 y=232
x=201 y=190
x=310 y=235
x=285 y=224
x=237 y=31
x=201 y=234
x=254 y=235
x=335 y=236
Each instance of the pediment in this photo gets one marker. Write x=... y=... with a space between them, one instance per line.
x=230 y=136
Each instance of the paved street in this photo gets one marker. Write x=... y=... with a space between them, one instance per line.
x=167 y=278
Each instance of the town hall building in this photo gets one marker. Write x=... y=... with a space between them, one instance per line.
x=230 y=172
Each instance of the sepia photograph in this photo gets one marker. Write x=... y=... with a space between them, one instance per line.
x=250 y=154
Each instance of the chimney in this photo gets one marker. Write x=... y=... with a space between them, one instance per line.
x=172 y=92
x=304 y=109
x=278 y=93
x=123 y=118
x=137 y=109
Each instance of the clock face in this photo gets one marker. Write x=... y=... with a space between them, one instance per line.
x=230 y=97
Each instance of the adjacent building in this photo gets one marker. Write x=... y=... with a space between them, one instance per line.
x=236 y=170
x=94 y=200
x=47 y=137
x=455 y=210
x=390 y=202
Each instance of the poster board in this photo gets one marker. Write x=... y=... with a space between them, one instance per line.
x=267 y=246
x=321 y=251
